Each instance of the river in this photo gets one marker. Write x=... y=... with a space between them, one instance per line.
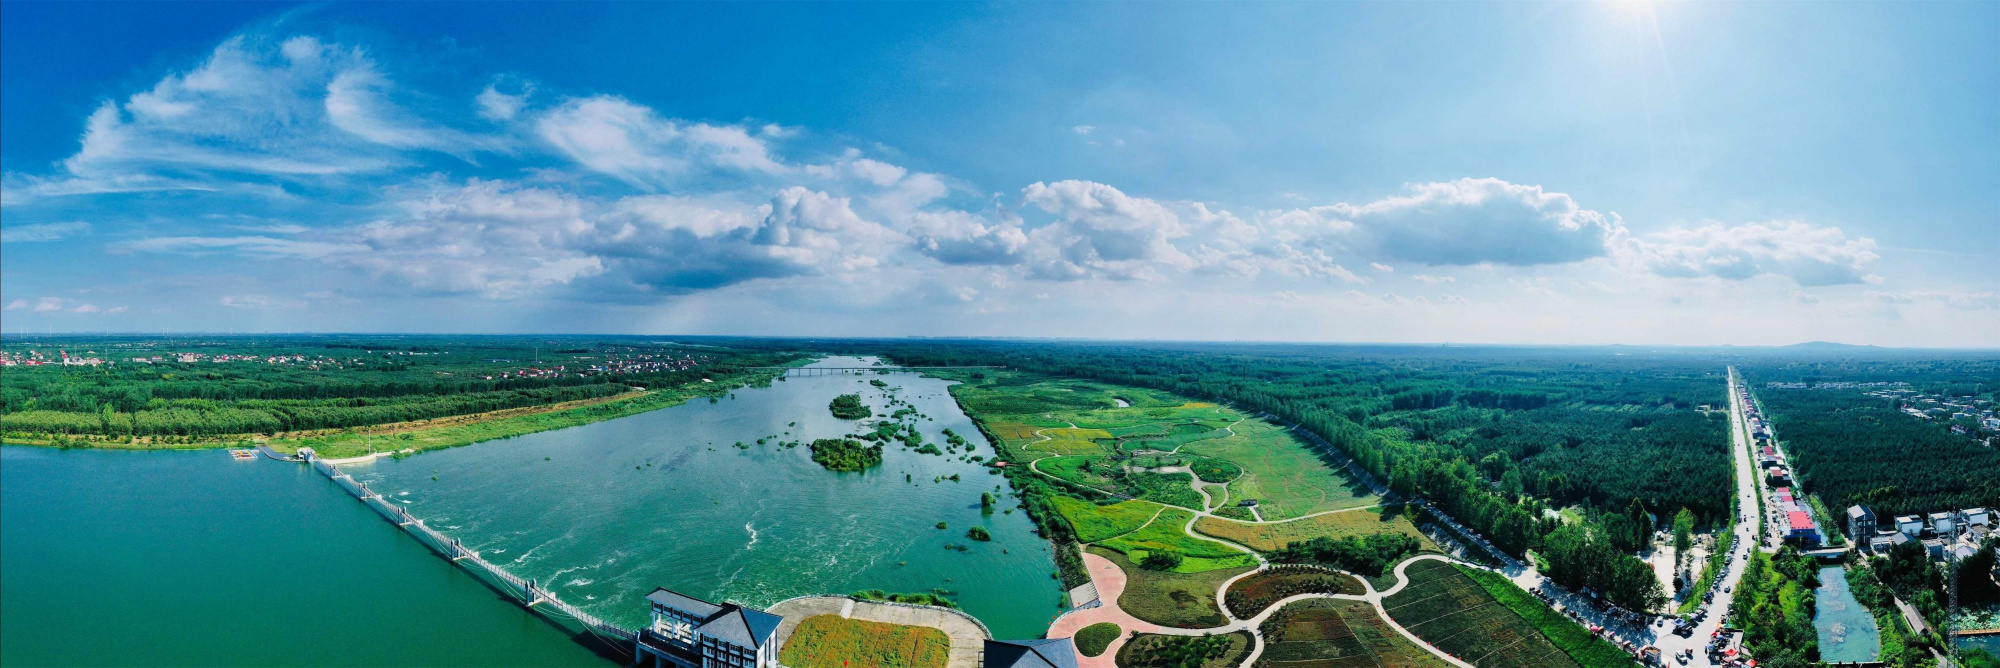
x=195 y=559
x=1847 y=631
x=603 y=513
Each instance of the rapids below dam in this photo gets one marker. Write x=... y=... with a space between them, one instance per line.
x=603 y=513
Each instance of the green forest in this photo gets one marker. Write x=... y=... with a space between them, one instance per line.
x=1850 y=448
x=1497 y=438
x=189 y=390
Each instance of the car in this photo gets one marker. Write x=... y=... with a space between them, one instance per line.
x=1726 y=590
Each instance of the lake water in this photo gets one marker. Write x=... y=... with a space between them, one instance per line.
x=1847 y=631
x=602 y=514
x=195 y=559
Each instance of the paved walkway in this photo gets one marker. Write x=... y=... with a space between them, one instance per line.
x=968 y=638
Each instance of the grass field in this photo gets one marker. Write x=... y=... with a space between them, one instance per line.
x=1092 y=640
x=1093 y=522
x=1147 y=650
x=1587 y=650
x=1179 y=600
x=1251 y=595
x=1088 y=471
x=1065 y=441
x=1261 y=461
x=1165 y=533
x=1270 y=537
x=1449 y=610
x=1328 y=633
x=832 y=641
x=1287 y=478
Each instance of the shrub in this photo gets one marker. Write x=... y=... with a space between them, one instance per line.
x=849 y=407
x=978 y=533
x=1094 y=639
x=1160 y=560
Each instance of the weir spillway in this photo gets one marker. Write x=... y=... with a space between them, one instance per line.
x=524 y=591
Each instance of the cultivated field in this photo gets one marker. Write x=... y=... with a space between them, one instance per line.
x=1451 y=611
x=1329 y=633
x=1270 y=537
x=1251 y=595
x=831 y=641
x=1148 y=650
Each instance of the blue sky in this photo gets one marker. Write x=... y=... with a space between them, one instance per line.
x=1510 y=173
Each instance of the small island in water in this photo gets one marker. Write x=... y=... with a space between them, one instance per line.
x=849 y=407
x=845 y=454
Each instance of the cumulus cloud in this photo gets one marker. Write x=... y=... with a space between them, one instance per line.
x=961 y=238
x=1809 y=255
x=1101 y=231
x=1469 y=221
x=633 y=143
x=16 y=234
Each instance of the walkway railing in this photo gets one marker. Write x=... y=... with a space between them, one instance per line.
x=527 y=591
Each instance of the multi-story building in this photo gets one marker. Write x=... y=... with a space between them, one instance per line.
x=688 y=632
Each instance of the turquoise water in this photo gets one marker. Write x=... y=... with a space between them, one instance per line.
x=603 y=513
x=195 y=559
x=1847 y=631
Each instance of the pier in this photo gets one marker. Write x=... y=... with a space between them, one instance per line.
x=530 y=594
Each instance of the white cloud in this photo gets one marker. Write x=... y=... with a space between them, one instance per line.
x=1809 y=255
x=958 y=237
x=1470 y=221
x=1963 y=301
x=47 y=304
x=1083 y=129
x=42 y=232
x=628 y=141
x=497 y=106
x=1101 y=231
x=1386 y=269
x=17 y=304
x=1434 y=280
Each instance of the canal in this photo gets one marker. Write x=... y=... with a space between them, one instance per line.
x=1847 y=631
x=118 y=558
x=603 y=513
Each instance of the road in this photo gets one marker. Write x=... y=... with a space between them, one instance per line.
x=1746 y=538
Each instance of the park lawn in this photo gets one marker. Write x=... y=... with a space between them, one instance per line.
x=1332 y=632
x=1205 y=564
x=1149 y=650
x=1164 y=534
x=1272 y=536
x=1586 y=649
x=1179 y=600
x=1452 y=612
x=832 y=641
x=1286 y=477
x=1093 y=522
